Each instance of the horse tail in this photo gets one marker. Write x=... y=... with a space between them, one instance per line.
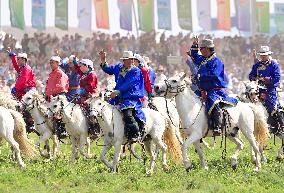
x=261 y=131
x=172 y=142
x=20 y=135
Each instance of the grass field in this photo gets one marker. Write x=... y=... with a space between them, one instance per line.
x=92 y=176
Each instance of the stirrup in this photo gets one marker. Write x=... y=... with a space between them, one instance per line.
x=217 y=132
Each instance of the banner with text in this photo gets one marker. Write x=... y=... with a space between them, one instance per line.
x=204 y=14
x=84 y=14
x=184 y=14
x=17 y=13
x=146 y=15
x=164 y=14
x=223 y=15
x=279 y=17
x=38 y=14
x=102 y=16
x=262 y=17
x=243 y=15
x=61 y=14
x=125 y=16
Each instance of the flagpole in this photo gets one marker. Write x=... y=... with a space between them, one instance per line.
x=135 y=19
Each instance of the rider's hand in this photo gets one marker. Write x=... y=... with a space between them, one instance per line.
x=195 y=40
x=102 y=54
x=114 y=94
x=11 y=54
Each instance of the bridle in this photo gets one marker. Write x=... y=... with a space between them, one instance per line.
x=174 y=89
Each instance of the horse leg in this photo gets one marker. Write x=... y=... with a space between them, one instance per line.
x=200 y=153
x=280 y=153
x=82 y=142
x=189 y=140
x=159 y=142
x=16 y=150
x=239 y=147
x=148 y=147
x=116 y=156
x=88 y=141
x=43 y=138
x=105 y=149
x=56 y=146
x=74 y=155
x=250 y=137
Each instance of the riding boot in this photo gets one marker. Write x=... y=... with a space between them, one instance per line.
x=29 y=122
x=216 y=120
x=131 y=128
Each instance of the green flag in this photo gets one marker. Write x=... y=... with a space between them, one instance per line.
x=61 y=14
x=17 y=13
x=146 y=15
x=184 y=14
x=262 y=17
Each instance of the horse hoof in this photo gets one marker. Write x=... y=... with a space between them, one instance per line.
x=234 y=166
x=257 y=169
x=166 y=168
x=189 y=168
x=279 y=158
x=149 y=173
x=206 y=168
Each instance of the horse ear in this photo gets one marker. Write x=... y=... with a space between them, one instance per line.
x=183 y=76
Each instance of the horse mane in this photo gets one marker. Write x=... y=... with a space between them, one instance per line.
x=7 y=102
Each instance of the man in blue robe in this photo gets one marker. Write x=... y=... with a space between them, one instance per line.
x=210 y=79
x=267 y=72
x=127 y=93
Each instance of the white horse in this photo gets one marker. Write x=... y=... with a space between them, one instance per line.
x=12 y=129
x=252 y=94
x=167 y=108
x=35 y=103
x=111 y=122
x=194 y=120
x=75 y=123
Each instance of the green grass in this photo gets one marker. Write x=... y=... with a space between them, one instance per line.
x=92 y=176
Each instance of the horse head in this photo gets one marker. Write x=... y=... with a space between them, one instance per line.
x=28 y=101
x=56 y=106
x=172 y=86
x=251 y=91
x=97 y=104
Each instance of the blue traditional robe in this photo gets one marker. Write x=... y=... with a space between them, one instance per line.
x=210 y=78
x=74 y=81
x=270 y=70
x=130 y=84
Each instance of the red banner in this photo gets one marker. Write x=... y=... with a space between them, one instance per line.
x=223 y=15
x=102 y=17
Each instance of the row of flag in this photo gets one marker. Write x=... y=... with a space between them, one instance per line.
x=145 y=10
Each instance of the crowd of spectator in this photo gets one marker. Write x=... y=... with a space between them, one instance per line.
x=234 y=51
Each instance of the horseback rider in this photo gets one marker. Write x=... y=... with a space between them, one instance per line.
x=57 y=84
x=267 y=72
x=74 y=79
x=128 y=91
x=88 y=78
x=148 y=90
x=210 y=80
x=25 y=81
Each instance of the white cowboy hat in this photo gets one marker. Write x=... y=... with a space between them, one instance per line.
x=127 y=55
x=264 y=50
x=87 y=62
x=22 y=55
x=207 y=43
x=55 y=58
